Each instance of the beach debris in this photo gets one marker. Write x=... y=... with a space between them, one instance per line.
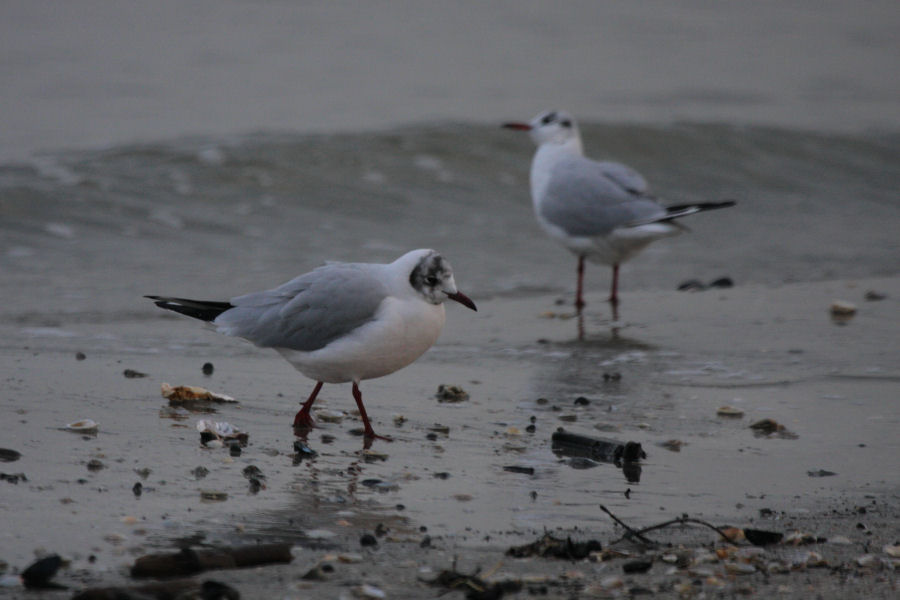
x=473 y=586
x=13 y=478
x=770 y=427
x=691 y=285
x=672 y=445
x=892 y=551
x=301 y=451
x=132 y=374
x=729 y=411
x=821 y=473
x=607 y=377
x=95 y=465
x=637 y=566
x=368 y=591
x=7 y=455
x=207 y=368
x=762 y=537
x=800 y=538
x=189 y=561
x=548 y=546
x=842 y=311
x=582 y=401
x=367 y=540
x=199 y=472
x=874 y=296
x=83 y=426
x=40 y=572
x=80 y=356
x=695 y=285
x=607 y=450
x=193 y=397
x=451 y=393
x=329 y=416
x=213 y=496
x=137 y=489
x=518 y=469
x=220 y=431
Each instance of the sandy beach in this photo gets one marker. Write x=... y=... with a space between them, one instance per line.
x=212 y=149
x=676 y=365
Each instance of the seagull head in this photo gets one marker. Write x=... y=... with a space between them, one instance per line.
x=432 y=277
x=550 y=127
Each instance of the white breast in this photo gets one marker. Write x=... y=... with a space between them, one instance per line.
x=402 y=330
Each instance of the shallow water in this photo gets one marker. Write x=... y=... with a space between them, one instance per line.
x=216 y=217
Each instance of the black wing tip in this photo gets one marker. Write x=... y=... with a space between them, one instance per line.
x=198 y=309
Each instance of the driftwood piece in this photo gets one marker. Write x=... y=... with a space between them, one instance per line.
x=602 y=449
x=163 y=590
x=188 y=561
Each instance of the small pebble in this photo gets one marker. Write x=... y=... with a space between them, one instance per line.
x=208 y=369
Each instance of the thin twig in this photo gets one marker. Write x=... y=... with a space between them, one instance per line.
x=685 y=519
x=631 y=532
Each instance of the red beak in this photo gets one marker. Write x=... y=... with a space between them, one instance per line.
x=517 y=126
x=462 y=299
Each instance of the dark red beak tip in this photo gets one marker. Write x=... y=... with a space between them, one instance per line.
x=463 y=299
x=517 y=126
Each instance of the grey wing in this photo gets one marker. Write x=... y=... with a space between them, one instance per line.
x=587 y=198
x=625 y=177
x=308 y=312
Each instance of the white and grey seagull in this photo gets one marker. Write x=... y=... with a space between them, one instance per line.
x=342 y=322
x=601 y=211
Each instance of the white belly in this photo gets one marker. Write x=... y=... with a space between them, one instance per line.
x=401 y=332
x=617 y=246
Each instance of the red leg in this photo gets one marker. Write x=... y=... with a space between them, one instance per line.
x=302 y=419
x=367 y=427
x=614 y=292
x=579 y=301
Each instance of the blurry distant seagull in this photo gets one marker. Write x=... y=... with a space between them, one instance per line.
x=601 y=211
x=343 y=322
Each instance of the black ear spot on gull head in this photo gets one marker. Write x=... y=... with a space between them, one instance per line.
x=428 y=276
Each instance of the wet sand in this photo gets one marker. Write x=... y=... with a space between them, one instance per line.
x=672 y=363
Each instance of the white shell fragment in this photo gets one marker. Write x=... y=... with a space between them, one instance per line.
x=841 y=308
x=219 y=428
x=329 y=416
x=83 y=426
x=729 y=411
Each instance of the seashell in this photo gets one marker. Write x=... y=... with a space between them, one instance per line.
x=83 y=426
x=369 y=591
x=740 y=568
x=892 y=551
x=814 y=559
x=330 y=416
x=841 y=540
x=213 y=495
x=868 y=561
x=729 y=411
x=842 y=308
x=612 y=582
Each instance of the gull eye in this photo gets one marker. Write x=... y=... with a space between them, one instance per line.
x=548 y=118
x=431 y=281
x=566 y=123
